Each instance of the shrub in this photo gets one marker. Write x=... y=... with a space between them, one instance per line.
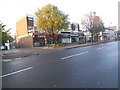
x=55 y=45
x=81 y=42
x=94 y=40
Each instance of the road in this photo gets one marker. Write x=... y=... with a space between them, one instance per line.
x=83 y=67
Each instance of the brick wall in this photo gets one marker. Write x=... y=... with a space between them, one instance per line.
x=25 y=41
x=22 y=27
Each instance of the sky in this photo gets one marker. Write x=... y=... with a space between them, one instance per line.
x=12 y=10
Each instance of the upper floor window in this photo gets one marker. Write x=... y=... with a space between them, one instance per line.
x=30 y=18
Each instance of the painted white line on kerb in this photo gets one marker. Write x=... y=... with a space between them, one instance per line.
x=6 y=60
x=15 y=72
x=74 y=55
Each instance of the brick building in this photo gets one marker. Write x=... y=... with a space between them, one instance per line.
x=23 y=35
x=28 y=36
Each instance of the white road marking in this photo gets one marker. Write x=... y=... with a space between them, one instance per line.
x=15 y=72
x=74 y=55
x=6 y=60
x=17 y=58
x=68 y=57
x=99 y=48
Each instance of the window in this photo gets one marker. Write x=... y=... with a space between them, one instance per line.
x=30 y=18
x=30 y=28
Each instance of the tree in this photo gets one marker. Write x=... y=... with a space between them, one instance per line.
x=93 y=23
x=5 y=34
x=51 y=20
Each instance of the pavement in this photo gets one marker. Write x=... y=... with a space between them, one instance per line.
x=25 y=52
x=94 y=66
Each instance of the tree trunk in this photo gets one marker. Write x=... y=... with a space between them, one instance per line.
x=97 y=37
x=92 y=37
x=52 y=39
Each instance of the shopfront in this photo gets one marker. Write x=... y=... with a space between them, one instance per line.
x=43 y=40
x=38 y=40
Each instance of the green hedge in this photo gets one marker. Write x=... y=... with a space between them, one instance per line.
x=80 y=42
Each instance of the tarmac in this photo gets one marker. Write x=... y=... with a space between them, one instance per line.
x=25 y=52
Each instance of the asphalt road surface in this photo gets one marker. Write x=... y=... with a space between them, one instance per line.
x=83 y=67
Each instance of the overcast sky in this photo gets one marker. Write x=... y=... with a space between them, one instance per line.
x=11 y=10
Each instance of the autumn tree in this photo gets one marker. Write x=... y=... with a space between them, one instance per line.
x=93 y=23
x=4 y=34
x=51 y=20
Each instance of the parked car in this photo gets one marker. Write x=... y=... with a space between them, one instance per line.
x=3 y=48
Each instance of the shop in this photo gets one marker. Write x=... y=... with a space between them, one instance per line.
x=43 y=40
x=38 y=40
